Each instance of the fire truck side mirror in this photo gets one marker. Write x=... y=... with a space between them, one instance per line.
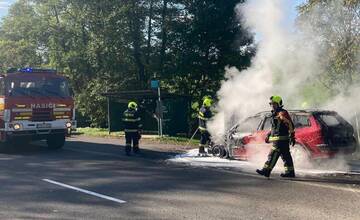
x=71 y=92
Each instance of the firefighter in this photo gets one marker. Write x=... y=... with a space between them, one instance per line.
x=282 y=135
x=204 y=115
x=132 y=128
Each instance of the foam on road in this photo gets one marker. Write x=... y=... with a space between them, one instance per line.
x=192 y=159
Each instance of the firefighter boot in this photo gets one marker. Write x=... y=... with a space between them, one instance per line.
x=263 y=172
x=290 y=174
x=202 y=152
x=136 y=150
x=128 y=150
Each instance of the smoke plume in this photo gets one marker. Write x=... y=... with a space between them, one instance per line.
x=288 y=63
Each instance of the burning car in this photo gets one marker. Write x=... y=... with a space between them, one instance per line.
x=319 y=134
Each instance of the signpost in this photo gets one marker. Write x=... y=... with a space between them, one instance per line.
x=108 y=114
x=155 y=84
x=357 y=126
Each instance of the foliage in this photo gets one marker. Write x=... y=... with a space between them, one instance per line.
x=336 y=24
x=115 y=45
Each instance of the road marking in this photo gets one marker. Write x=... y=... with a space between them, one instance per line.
x=85 y=191
x=325 y=185
x=242 y=172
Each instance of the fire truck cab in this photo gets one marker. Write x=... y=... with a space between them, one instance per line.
x=35 y=104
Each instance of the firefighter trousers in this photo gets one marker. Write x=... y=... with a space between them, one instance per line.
x=132 y=138
x=204 y=140
x=280 y=148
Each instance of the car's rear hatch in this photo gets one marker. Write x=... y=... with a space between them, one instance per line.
x=337 y=132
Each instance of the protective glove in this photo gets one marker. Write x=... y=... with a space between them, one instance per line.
x=267 y=139
x=292 y=139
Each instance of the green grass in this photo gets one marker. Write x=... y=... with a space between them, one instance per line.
x=176 y=140
x=103 y=132
x=98 y=132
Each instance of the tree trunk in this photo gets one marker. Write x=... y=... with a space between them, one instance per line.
x=164 y=37
x=136 y=38
x=149 y=32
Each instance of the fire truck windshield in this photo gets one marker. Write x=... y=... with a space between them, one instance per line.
x=37 y=86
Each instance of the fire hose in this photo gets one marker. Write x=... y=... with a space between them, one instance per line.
x=192 y=137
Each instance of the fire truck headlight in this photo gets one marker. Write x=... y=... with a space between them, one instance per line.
x=17 y=127
x=68 y=125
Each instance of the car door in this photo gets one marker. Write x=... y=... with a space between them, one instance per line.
x=244 y=134
x=303 y=130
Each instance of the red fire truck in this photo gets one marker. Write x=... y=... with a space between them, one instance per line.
x=35 y=104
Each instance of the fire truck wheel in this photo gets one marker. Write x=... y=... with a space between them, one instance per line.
x=4 y=147
x=56 y=141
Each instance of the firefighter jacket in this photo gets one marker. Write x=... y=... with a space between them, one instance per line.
x=282 y=126
x=131 y=120
x=204 y=115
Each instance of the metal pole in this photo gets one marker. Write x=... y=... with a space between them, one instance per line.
x=108 y=114
x=160 y=113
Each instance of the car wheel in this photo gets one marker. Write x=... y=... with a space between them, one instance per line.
x=301 y=156
x=218 y=151
x=56 y=141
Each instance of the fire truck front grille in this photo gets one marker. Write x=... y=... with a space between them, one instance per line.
x=42 y=114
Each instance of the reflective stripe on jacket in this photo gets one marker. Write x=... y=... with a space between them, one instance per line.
x=281 y=126
x=204 y=115
x=131 y=120
x=278 y=138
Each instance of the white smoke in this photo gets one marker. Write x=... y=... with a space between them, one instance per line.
x=283 y=63
x=286 y=62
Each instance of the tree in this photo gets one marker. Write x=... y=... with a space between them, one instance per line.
x=336 y=24
x=114 y=45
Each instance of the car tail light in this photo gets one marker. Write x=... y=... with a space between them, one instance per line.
x=323 y=147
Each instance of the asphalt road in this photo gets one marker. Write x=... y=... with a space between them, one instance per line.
x=37 y=183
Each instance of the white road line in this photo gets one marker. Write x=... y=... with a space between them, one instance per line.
x=85 y=191
x=243 y=173
x=343 y=188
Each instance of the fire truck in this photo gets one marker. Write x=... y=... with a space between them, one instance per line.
x=35 y=104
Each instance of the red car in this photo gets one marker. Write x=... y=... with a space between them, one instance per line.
x=319 y=134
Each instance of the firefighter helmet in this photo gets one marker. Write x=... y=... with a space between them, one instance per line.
x=132 y=105
x=276 y=99
x=207 y=102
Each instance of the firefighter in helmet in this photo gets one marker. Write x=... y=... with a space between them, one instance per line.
x=132 y=126
x=204 y=115
x=282 y=135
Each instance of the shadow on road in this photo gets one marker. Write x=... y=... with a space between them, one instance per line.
x=337 y=179
x=104 y=168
